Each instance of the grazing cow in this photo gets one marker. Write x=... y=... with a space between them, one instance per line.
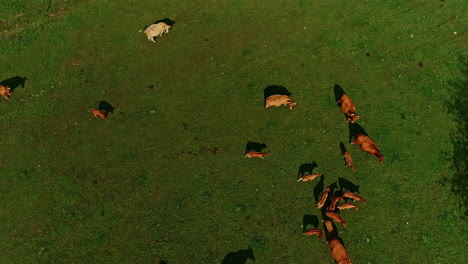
x=256 y=154
x=156 y=30
x=98 y=113
x=310 y=232
x=368 y=146
x=348 y=108
x=349 y=160
x=329 y=226
x=334 y=202
x=336 y=218
x=278 y=100
x=324 y=197
x=354 y=196
x=347 y=206
x=309 y=177
x=5 y=91
x=338 y=251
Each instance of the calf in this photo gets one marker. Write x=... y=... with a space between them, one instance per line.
x=98 y=113
x=278 y=100
x=256 y=154
x=348 y=108
x=349 y=160
x=368 y=146
x=5 y=91
x=156 y=30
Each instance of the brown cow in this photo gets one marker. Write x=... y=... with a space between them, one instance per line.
x=334 y=202
x=349 y=160
x=310 y=232
x=324 y=197
x=347 y=206
x=348 y=108
x=5 y=91
x=98 y=113
x=368 y=146
x=338 y=251
x=336 y=218
x=309 y=177
x=354 y=196
x=278 y=100
x=256 y=154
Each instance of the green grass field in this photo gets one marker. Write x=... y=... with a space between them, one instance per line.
x=165 y=180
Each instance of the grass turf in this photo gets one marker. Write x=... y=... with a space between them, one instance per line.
x=165 y=180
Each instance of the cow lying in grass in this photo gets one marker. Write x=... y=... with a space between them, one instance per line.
x=156 y=30
x=278 y=100
x=5 y=91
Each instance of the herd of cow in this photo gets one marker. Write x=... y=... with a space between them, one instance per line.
x=338 y=250
x=347 y=106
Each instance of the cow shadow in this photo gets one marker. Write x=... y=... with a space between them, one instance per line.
x=343 y=151
x=343 y=148
x=275 y=89
x=318 y=189
x=308 y=220
x=347 y=185
x=14 y=82
x=106 y=107
x=167 y=21
x=254 y=146
x=339 y=92
x=306 y=168
x=239 y=257
x=354 y=130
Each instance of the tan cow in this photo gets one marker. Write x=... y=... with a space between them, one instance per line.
x=279 y=100
x=368 y=146
x=5 y=91
x=156 y=30
x=348 y=108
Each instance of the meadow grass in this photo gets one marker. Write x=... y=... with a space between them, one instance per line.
x=165 y=180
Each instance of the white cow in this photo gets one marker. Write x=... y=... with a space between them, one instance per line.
x=156 y=30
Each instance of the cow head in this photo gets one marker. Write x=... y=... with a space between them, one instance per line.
x=381 y=157
x=8 y=92
x=352 y=117
x=291 y=104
